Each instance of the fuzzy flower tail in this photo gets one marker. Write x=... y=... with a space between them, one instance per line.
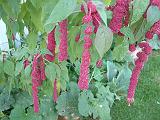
x=84 y=70
x=51 y=45
x=120 y=11
x=139 y=63
x=42 y=68
x=36 y=78
x=63 y=47
x=155 y=29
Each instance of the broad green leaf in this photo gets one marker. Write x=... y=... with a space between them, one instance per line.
x=47 y=88
x=6 y=100
x=83 y=105
x=153 y=14
x=155 y=42
x=31 y=115
x=104 y=93
x=123 y=78
x=23 y=99
x=128 y=33
x=50 y=71
x=32 y=40
x=101 y=10
x=139 y=7
x=103 y=40
x=9 y=67
x=97 y=74
x=19 y=67
x=1 y=66
x=15 y=5
x=64 y=78
x=61 y=11
x=47 y=8
x=18 y=113
x=120 y=52
x=111 y=70
x=36 y=16
x=48 y=109
x=103 y=110
x=67 y=104
x=37 y=3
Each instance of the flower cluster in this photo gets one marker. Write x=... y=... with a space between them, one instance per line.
x=38 y=75
x=63 y=47
x=132 y=47
x=155 y=3
x=155 y=29
x=84 y=70
x=85 y=62
x=94 y=15
x=51 y=45
x=139 y=63
x=120 y=12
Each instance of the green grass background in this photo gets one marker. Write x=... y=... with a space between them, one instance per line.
x=147 y=97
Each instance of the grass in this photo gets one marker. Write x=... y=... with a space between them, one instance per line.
x=147 y=98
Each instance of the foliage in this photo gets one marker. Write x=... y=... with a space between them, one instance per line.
x=106 y=84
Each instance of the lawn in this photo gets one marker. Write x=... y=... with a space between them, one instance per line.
x=147 y=98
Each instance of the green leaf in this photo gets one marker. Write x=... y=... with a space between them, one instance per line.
x=111 y=70
x=128 y=33
x=1 y=66
x=61 y=11
x=46 y=11
x=23 y=99
x=6 y=100
x=139 y=7
x=32 y=40
x=50 y=71
x=36 y=16
x=9 y=67
x=153 y=14
x=64 y=78
x=83 y=104
x=103 y=40
x=120 y=52
x=31 y=115
x=67 y=104
x=155 y=42
x=101 y=10
x=19 y=67
x=123 y=78
x=47 y=88
x=48 y=109
x=18 y=113
x=104 y=111
x=97 y=74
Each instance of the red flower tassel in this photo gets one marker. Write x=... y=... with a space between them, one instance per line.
x=84 y=70
x=63 y=47
x=35 y=82
x=51 y=45
x=42 y=68
x=38 y=75
x=139 y=63
x=120 y=11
